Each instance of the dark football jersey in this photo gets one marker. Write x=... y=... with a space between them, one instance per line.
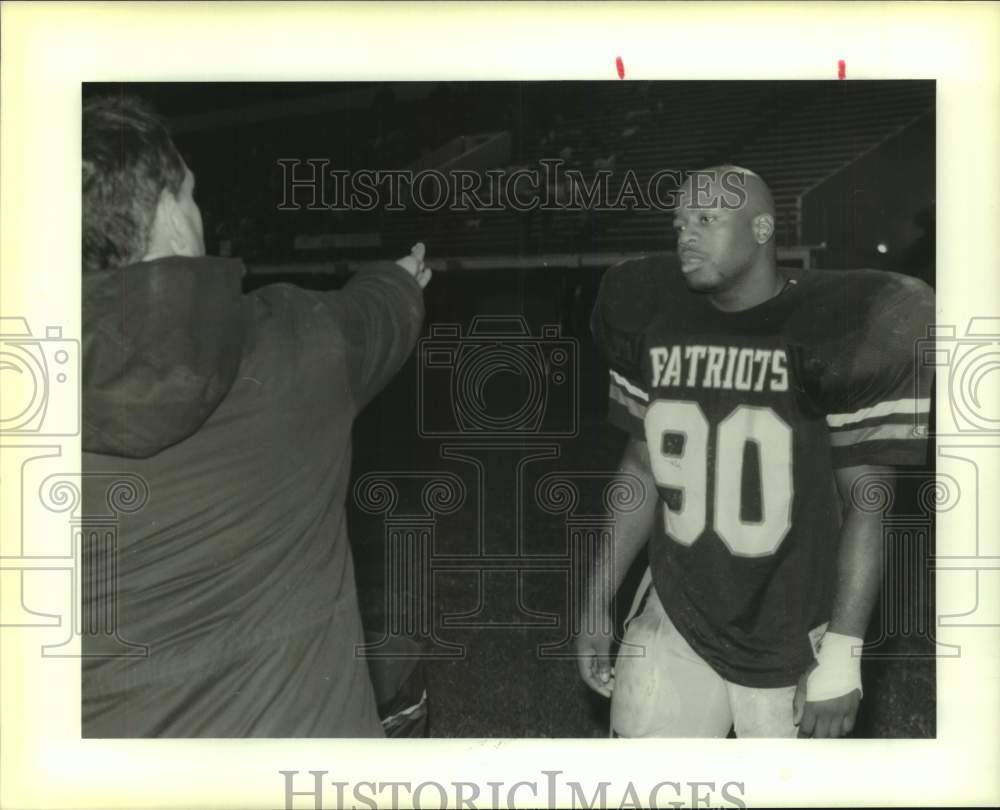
x=746 y=416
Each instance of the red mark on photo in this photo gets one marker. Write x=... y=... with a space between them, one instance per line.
x=620 y=67
x=841 y=69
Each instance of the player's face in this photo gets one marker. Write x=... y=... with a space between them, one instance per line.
x=715 y=244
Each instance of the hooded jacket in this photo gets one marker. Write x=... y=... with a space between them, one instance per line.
x=216 y=444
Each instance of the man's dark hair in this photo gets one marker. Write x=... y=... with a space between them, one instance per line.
x=128 y=159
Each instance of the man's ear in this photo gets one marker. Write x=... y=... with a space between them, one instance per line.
x=763 y=228
x=171 y=233
x=160 y=236
x=180 y=238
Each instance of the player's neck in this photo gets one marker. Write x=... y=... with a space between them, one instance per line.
x=761 y=284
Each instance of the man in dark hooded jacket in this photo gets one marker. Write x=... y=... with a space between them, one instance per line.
x=217 y=431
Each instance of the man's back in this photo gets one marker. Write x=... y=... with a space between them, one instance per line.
x=237 y=571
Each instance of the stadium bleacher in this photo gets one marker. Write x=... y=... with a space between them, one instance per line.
x=795 y=134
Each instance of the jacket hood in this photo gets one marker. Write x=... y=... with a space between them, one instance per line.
x=162 y=341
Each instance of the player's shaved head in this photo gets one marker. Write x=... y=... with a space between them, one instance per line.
x=736 y=187
x=759 y=199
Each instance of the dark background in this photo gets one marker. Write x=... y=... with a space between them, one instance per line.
x=852 y=168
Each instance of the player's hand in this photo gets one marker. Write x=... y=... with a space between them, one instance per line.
x=824 y=718
x=593 y=652
x=414 y=265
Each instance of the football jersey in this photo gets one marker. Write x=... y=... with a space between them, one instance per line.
x=746 y=416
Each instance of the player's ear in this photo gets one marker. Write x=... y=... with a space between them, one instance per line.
x=763 y=228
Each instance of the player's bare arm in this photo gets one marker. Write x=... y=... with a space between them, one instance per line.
x=631 y=531
x=819 y=711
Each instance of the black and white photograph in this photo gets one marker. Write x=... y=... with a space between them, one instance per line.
x=384 y=433
x=415 y=402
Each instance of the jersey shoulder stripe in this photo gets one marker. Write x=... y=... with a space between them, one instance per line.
x=629 y=389
x=894 y=407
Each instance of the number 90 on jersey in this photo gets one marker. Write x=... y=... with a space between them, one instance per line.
x=684 y=465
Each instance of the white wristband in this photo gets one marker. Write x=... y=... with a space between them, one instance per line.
x=838 y=669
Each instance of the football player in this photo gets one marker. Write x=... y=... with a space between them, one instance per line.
x=763 y=405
